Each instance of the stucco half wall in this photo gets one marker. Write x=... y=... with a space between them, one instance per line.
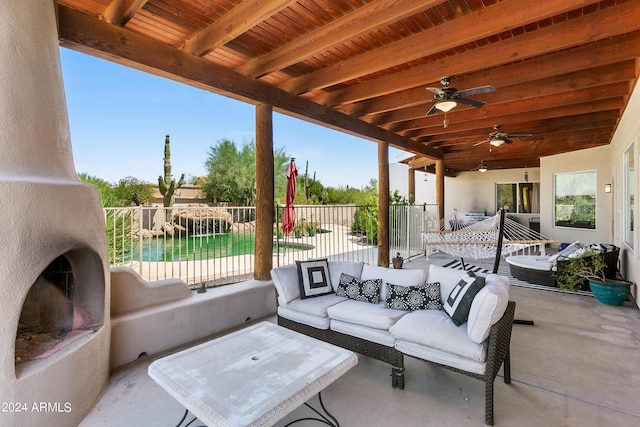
x=151 y=317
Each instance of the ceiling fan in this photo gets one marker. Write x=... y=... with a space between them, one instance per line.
x=483 y=167
x=497 y=138
x=446 y=98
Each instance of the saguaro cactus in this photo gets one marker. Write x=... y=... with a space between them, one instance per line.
x=167 y=185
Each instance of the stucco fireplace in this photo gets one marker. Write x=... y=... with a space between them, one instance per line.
x=54 y=271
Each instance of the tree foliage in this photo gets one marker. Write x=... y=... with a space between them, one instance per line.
x=232 y=173
x=108 y=197
x=131 y=190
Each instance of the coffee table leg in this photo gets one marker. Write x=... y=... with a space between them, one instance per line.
x=327 y=418
x=184 y=417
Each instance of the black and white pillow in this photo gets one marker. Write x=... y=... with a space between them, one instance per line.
x=313 y=278
x=424 y=297
x=359 y=290
x=458 y=303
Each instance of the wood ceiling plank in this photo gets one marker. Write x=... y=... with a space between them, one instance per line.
x=362 y=20
x=98 y=38
x=234 y=23
x=610 y=22
x=119 y=12
x=484 y=23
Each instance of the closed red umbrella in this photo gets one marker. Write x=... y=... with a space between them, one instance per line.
x=289 y=214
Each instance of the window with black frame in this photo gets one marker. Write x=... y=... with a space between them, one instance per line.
x=518 y=197
x=575 y=199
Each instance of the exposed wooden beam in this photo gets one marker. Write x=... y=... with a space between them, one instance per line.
x=241 y=18
x=610 y=22
x=604 y=52
x=547 y=114
x=98 y=38
x=526 y=105
x=492 y=20
x=119 y=12
x=364 y=19
x=550 y=86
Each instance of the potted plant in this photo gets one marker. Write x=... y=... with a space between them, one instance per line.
x=397 y=261
x=591 y=266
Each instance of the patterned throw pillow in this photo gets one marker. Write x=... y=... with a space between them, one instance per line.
x=359 y=290
x=458 y=304
x=313 y=278
x=410 y=298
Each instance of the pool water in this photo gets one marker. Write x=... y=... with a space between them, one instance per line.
x=210 y=246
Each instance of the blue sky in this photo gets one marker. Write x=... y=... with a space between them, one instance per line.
x=119 y=118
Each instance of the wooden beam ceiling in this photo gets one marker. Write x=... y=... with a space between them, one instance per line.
x=563 y=70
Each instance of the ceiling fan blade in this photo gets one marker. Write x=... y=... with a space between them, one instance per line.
x=468 y=101
x=432 y=110
x=507 y=140
x=481 y=142
x=477 y=90
x=522 y=135
x=435 y=90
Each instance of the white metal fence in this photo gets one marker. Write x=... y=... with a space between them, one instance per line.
x=215 y=245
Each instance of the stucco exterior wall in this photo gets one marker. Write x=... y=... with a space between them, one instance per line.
x=584 y=160
x=628 y=132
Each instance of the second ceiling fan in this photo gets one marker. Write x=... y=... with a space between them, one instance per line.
x=497 y=138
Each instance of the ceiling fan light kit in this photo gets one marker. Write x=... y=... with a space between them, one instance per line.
x=496 y=142
x=446 y=106
x=447 y=98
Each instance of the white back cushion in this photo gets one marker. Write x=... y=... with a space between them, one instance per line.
x=336 y=268
x=285 y=280
x=402 y=277
x=487 y=307
x=448 y=278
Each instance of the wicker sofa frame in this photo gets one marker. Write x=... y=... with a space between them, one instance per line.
x=498 y=346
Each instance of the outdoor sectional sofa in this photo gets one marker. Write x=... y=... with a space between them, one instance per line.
x=476 y=348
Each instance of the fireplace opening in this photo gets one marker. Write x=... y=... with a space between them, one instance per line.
x=58 y=308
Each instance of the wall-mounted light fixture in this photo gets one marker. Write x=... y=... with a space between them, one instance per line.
x=607 y=188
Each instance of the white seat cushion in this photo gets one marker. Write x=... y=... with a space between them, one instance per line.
x=379 y=336
x=305 y=319
x=365 y=314
x=434 y=328
x=316 y=306
x=439 y=356
x=531 y=262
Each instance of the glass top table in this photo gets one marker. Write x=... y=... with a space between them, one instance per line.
x=252 y=377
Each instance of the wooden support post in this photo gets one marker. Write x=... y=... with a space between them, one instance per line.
x=383 y=204
x=264 y=192
x=440 y=187
x=412 y=184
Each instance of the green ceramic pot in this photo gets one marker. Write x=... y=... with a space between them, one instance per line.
x=613 y=292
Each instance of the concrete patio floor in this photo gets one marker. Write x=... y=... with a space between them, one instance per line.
x=577 y=366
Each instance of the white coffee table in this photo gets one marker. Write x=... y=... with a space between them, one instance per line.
x=252 y=377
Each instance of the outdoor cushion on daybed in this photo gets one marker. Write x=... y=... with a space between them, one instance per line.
x=539 y=269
